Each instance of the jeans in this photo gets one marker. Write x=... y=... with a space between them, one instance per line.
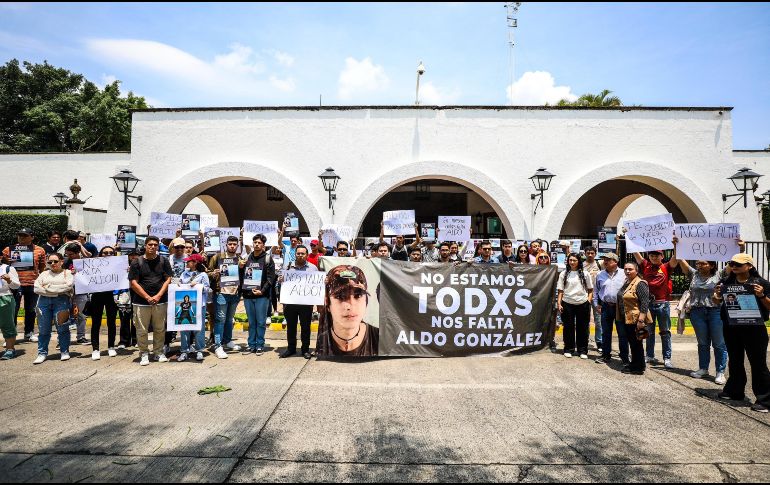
x=47 y=310
x=608 y=321
x=661 y=313
x=30 y=303
x=598 y=329
x=223 y=328
x=708 y=328
x=200 y=337
x=80 y=320
x=256 y=311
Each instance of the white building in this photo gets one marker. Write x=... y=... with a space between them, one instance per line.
x=473 y=160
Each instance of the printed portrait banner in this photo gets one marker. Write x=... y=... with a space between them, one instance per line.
x=252 y=277
x=268 y=228
x=710 y=242
x=126 y=238
x=649 y=233
x=209 y=222
x=428 y=232
x=101 y=240
x=303 y=287
x=185 y=308
x=228 y=272
x=434 y=309
x=191 y=225
x=22 y=257
x=741 y=305
x=163 y=232
x=166 y=219
x=398 y=223
x=333 y=233
x=94 y=275
x=454 y=228
x=211 y=242
x=292 y=224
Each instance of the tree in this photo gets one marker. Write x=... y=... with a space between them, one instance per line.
x=45 y=108
x=594 y=100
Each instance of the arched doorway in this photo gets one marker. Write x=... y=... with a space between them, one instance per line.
x=434 y=197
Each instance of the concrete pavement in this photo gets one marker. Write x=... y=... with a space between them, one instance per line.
x=538 y=417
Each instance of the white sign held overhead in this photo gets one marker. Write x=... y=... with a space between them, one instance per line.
x=649 y=233
x=209 y=222
x=333 y=233
x=709 y=242
x=268 y=228
x=454 y=228
x=398 y=223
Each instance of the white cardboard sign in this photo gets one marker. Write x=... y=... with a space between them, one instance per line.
x=303 y=287
x=709 y=242
x=454 y=228
x=268 y=228
x=94 y=275
x=398 y=223
x=333 y=233
x=649 y=233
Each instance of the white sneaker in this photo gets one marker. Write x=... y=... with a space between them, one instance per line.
x=65 y=356
x=583 y=356
x=668 y=365
x=233 y=346
x=32 y=337
x=162 y=358
x=112 y=352
x=199 y=356
x=40 y=359
x=166 y=348
x=220 y=353
x=567 y=355
x=95 y=355
x=649 y=359
x=182 y=357
x=699 y=374
x=720 y=378
x=145 y=359
x=121 y=347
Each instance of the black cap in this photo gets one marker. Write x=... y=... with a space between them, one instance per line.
x=25 y=230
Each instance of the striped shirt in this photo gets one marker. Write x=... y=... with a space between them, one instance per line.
x=27 y=277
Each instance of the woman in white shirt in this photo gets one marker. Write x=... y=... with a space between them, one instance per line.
x=53 y=307
x=9 y=280
x=575 y=292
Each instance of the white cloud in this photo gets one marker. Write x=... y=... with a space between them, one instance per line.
x=105 y=80
x=432 y=95
x=237 y=76
x=283 y=58
x=361 y=77
x=537 y=88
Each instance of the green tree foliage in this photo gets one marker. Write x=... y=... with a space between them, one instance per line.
x=10 y=222
x=602 y=99
x=49 y=109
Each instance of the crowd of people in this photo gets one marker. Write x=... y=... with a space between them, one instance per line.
x=630 y=298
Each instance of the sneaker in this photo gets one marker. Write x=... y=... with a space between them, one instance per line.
x=220 y=353
x=248 y=350
x=40 y=359
x=307 y=355
x=603 y=360
x=112 y=352
x=96 y=355
x=259 y=351
x=65 y=356
x=199 y=356
x=182 y=357
x=626 y=370
x=668 y=365
x=83 y=341
x=760 y=408
x=287 y=353
x=8 y=354
x=162 y=358
x=727 y=397
x=649 y=360
x=121 y=347
x=699 y=374
x=145 y=360
x=567 y=355
x=233 y=346
x=720 y=379
x=32 y=337
x=583 y=356
x=166 y=349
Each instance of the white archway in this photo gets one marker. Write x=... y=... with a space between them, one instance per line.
x=497 y=197
x=695 y=204
x=192 y=184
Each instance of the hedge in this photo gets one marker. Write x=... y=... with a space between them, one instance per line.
x=10 y=222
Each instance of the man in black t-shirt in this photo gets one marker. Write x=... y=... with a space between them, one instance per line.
x=150 y=276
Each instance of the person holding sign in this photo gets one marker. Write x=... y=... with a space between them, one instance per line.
x=195 y=274
x=55 y=287
x=657 y=274
x=9 y=281
x=224 y=273
x=342 y=330
x=260 y=277
x=399 y=252
x=101 y=302
x=28 y=271
x=633 y=308
x=575 y=291
x=303 y=313
x=745 y=331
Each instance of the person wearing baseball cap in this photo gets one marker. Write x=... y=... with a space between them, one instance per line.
x=178 y=265
x=316 y=250
x=28 y=266
x=745 y=340
x=194 y=275
x=609 y=281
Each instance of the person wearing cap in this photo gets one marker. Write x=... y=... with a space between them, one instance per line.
x=609 y=281
x=316 y=250
x=9 y=281
x=342 y=330
x=303 y=313
x=657 y=273
x=150 y=276
x=746 y=341
x=179 y=252
x=27 y=276
x=257 y=300
x=194 y=275
x=633 y=302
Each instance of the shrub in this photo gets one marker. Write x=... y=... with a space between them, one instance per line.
x=10 y=222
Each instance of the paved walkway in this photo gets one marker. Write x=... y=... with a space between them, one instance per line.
x=538 y=417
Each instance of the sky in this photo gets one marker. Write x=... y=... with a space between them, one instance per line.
x=268 y=54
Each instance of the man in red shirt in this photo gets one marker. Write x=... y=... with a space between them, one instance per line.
x=658 y=277
x=316 y=250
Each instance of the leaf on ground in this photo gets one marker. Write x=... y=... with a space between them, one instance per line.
x=156 y=449
x=213 y=390
x=125 y=462
x=223 y=436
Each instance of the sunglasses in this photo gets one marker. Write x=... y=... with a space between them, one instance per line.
x=733 y=264
x=523 y=251
x=54 y=261
x=108 y=253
